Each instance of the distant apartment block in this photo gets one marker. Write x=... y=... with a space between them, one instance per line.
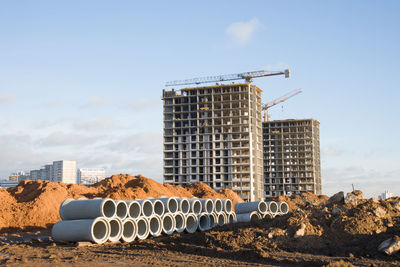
x=291 y=157
x=16 y=177
x=213 y=134
x=59 y=171
x=88 y=176
x=64 y=171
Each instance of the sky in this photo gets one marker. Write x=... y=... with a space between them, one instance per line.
x=82 y=80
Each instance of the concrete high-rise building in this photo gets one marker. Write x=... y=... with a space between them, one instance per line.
x=90 y=175
x=213 y=134
x=291 y=157
x=64 y=171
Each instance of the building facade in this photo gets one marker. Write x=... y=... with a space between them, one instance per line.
x=213 y=134
x=291 y=157
x=89 y=176
x=64 y=171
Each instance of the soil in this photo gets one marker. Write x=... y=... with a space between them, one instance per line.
x=335 y=234
x=35 y=204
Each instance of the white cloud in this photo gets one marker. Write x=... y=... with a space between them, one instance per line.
x=145 y=142
x=242 y=32
x=6 y=98
x=68 y=139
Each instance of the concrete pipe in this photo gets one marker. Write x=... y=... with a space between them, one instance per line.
x=93 y=230
x=195 y=206
x=158 y=206
x=272 y=207
x=215 y=219
x=283 y=208
x=129 y=230
x=115 y=229
x=147 y=207
x=231 y=217
x=217 y=207
x=268 y=216
x=226 y=219
x=207 y=205
x=184 y=205
x=227 y=205
x=143 y=229
x=155 y=225
x=170 y=204
x=248 y=217
x=168 y=223
x=248 y=207
x=71 y=209
x=220 y=219
x=213 y=222
x=204 y=221
x=180 y=222
x=134 y=209
x=192 y=222
x=122 y=209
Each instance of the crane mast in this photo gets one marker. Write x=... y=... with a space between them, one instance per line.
x=248 y=76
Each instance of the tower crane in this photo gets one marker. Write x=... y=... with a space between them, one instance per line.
x=248 y=76
x=265 y=107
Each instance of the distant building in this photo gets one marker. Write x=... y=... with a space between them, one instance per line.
x=6 y=184
x=291 y=157
x=35 y=175
x=15 y=177
x=385 y=195
x=89 y=176
x=64 y=171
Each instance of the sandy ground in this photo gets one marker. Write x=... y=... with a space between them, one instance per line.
x=37 y=249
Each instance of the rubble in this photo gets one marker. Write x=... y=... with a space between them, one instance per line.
x=354 y=197
x=336 y=198
x=390 y=246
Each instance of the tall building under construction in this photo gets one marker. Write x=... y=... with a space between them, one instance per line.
x=291 y=157
x=213 y=134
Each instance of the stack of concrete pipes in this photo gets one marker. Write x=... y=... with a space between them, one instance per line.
x=101 y=220
x=257 y=210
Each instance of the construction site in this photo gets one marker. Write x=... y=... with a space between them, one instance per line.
x=238 y=189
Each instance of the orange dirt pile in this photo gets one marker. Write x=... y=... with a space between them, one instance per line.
x=34 y=204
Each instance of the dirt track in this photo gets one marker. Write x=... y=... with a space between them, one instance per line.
x=36 y=249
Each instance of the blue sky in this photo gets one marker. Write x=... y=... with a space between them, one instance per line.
x=83 y=79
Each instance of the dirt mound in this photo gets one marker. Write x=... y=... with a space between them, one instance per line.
x=34 y=204
x=333 y=230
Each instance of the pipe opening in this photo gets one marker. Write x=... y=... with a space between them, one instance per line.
x=172 y=205
x=218 y=205
x=284 y=207
x=147 y=208
x=115 y=228
x=268 y=216
x=254 y=217
x=168 y=224
x=158 y=208
x=129 y=231
x=134 y=210
x=231 y=218
x=209 y=206
x=142 y=228
x=212 y=221
x=154 y=225
x=191 y=224
x=179 y=221
x=185 y=206
x=228 y=205
x=204 y=222
x=262 y=207
x=100 y=230
x=109 y=208
x=122 y=210
x=221 y=219
x=273 y=207
x=196 y=207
